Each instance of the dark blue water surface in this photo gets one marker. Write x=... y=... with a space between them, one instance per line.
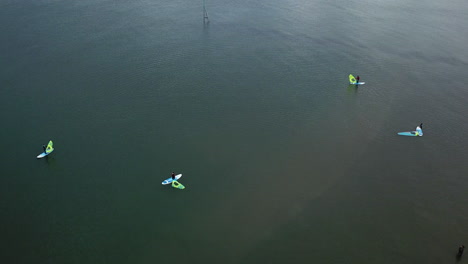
x=282 y=160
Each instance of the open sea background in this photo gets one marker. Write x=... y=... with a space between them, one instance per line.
x=282 y=160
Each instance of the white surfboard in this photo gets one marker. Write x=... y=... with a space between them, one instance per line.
x=43 y=154
x=169 y=180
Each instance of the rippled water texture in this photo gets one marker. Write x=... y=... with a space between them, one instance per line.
x=282 y=160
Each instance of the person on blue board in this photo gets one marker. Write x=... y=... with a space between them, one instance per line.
x=173 y=176
x=357 y=79
x=419 y=130
x=44 y=148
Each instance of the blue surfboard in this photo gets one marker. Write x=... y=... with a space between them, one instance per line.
x=408 y=134
x=43 y=154
x=169 y=180
x=411 y=134
x=417 y=133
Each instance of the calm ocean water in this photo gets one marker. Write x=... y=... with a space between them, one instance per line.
x=282 y=160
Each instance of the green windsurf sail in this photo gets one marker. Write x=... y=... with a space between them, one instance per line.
x=352 y=80
x=50 y=147
x=177 y=185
